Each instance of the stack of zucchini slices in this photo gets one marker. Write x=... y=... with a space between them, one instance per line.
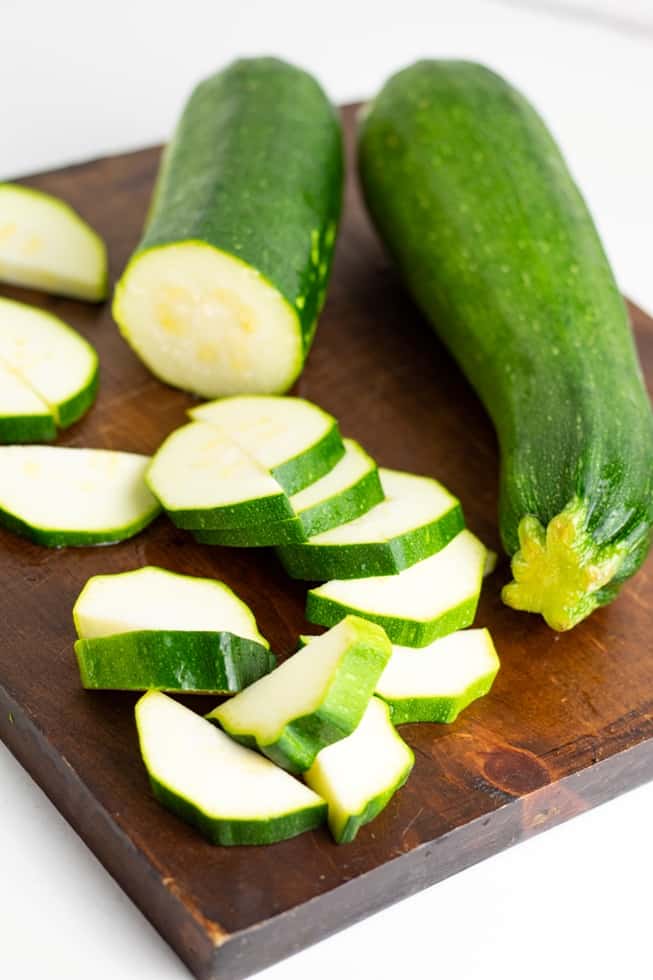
x=314 y=738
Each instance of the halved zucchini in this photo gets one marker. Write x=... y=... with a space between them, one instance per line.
x=58 y=496
x=430 y=599
x=314 y=698
x=205 y=480
x=46 y=245
x=56 y=362
x=438 y=681
x=24 y=417
x=231 y=794
x=359 y=775
x=292 y=438
x=417 y=518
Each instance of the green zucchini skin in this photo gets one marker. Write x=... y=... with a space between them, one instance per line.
x=258 y=154
x=194 y=661
x=60 y=538
x=299 y=472
x=255 y=536
x=27 y=428
x=370 y=812
x=494 y=241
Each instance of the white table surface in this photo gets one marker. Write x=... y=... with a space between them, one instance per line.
x=82 y=79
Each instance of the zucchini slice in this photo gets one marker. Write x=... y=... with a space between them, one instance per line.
x=45 y=244
x=430 y=599
x=292 y=438
x=254 y=536
x=24 y=417
x=475 y=202
x=359 y=775
x=223 y=293
x=51 y=358
x=438 y=681
x=58 y=496
x=153 y=598
x=417 y=518
x=314 y=698
x=231 y=794
x=348 y=490
x=205 y=480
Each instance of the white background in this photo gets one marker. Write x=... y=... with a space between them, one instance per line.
x=82 y=79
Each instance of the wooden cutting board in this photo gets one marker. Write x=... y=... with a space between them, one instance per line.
x=568 y=724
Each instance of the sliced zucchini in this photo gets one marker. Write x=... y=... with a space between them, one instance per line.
x=417 y=518
x=205 y=480
x=430 y=599
x=192 y=661
x=46 y=245
x=50 y=357
x=314 y=698
x=231 y=794
x=58 y=496
x=359 y=775
x=294 y=440
x=254 y=536
x=24 y=417
x=348 y=490
x=152 y=598
x=437 y=682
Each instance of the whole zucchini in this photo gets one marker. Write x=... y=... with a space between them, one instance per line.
x=473 y=199
x=222 y=294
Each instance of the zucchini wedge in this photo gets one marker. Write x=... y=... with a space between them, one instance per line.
x=59 y=497
x=430 y=599
x=314 y=698
x=417 y=518
x=470 y=193
x=45 y=244
x=231 y=794
x=204 y=480
x=222 y=295
x=359 y=775
x=438 y=681
x=292 y=438
x=24 y=417
x=51 y=358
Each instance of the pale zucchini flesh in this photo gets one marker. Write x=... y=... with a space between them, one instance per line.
x=51 y=358
x=153 y=598
x=430 y=599
x=437 y=682
x=314 y=698
x=417 y=518
x=45 y=244
x=58 y=496
x=24 y=417
x=295 y=440
x=231 y=794
x=204 y=480
x=359 y=775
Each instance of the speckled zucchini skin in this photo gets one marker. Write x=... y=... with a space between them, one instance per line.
x=475 y=202
x=255 y=169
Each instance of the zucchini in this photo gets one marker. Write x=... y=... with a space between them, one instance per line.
x=254 y=536
x=231 y=794
x=430 y=599
x=223 y=292
x=438 y=681
x=45 y=244
x=24 y=417
x=153 y=629
x=314 y=698
x=204 y=480
x=294 y=440
x=51 y=358
x=58 y=496
x=417 y=518
x=474 y=200
x=359 y=775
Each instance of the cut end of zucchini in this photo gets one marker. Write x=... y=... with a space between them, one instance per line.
x=199 y=319
x=558 y=572
x=44 y=244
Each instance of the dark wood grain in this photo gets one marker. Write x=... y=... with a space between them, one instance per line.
x=568 y=724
